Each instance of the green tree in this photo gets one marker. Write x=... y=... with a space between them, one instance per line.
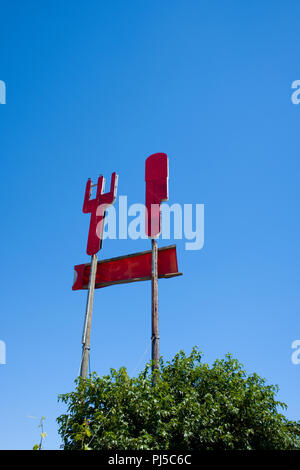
x=192 y=407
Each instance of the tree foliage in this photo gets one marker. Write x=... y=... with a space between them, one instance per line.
x=193 y=406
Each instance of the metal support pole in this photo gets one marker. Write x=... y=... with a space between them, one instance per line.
x=154 y=287
x=86 y=336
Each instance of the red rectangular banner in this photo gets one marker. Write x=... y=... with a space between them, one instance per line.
x=128 y=268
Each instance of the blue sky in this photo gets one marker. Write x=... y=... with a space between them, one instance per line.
x=95 y=87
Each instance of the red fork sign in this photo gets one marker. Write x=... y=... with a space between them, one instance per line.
x=157 y=189
x=97 y=207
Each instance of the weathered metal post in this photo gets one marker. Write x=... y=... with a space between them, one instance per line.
x=86 y=335
x=155 y=329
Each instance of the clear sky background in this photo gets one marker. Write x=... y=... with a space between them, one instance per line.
x=95 y=87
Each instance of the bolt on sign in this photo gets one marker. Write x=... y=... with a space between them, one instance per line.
x=148 y=265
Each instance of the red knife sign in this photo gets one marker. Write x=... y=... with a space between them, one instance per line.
x=157 y=190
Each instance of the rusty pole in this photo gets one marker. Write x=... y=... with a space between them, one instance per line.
x=154 y=288
x=86 y=336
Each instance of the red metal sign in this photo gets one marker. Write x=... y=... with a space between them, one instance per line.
x=157 y=189
x=97 y=208
x=129 y=268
